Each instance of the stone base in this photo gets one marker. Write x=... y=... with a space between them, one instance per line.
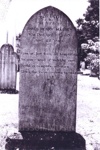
x=47 y=141
x=8 y=91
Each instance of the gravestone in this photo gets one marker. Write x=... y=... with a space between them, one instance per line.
x=48 y=73
x=8 y=68
x=48 y=84
x=0 y=66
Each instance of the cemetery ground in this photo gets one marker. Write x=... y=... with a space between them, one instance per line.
x=88 y=112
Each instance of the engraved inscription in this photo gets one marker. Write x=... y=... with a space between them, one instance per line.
x=50 y=64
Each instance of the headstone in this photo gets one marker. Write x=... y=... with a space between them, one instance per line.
x=48 y=73
x=48 y=84
x=82 y=65
x=0 y=66
x=8 y=68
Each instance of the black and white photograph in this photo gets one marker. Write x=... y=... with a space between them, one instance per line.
x=49 y=75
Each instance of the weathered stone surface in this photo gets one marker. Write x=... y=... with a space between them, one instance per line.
x=8 y=68
x=48 y=73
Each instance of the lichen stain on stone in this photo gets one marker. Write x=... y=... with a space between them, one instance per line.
x=48 y=87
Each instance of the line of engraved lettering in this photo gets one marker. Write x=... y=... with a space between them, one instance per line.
x=23 y=59
x=28 y=71
x=31 y=33
x=63 y=54
x=48 y=35
x=53 y=53
x=35 y=66
x=56 y=53
x=59 y=60
x=48 y=29
x=41 y=59
x=41 y=29
x=38 y=53
x=40 y=23
x=71 y=72
x=66 y=35
x=48 y=40
x=56 y=17
x=35 y=29
x=55 y=72
x=25 y=65
x=43 y=66
x=55 y=66
x=31 y=53
x=32 y=29
x=39 y=40
x=71 y=60
x=59 y=28
x=67 y=29
x=52 y=17
x=39 y=34
x=23 y=53
x=61 y=66
x=44 y=59
x=35 y=72
x=26 y=53
x=47 y=53
x=71 y=54
x=30 y=59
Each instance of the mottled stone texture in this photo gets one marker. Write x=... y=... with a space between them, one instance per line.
x=50 y=141
x=48 y=73
x=8 y=67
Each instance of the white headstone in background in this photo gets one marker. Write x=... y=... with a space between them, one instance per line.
x=8 y=67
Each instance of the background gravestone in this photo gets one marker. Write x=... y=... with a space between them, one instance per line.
x=0 y=66
x=8 y=68
x=48 y=73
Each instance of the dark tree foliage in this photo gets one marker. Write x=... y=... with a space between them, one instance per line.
x=88 y=28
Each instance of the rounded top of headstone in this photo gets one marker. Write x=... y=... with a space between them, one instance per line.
x=46 y=11
x=7 y=48
x=45 y=20
x=15 y=55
